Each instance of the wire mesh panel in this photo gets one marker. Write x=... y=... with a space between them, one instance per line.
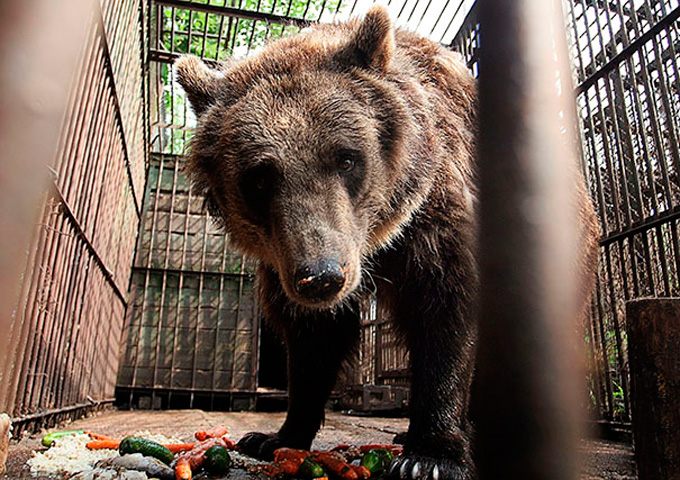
x=66 y=328
x=192 y=326
x=625 y=65
x=626 y=68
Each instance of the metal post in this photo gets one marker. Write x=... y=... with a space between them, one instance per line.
x=529 y=369
x=45 y=37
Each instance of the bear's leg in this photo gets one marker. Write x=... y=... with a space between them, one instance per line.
x=317 y=343
x=441 y=344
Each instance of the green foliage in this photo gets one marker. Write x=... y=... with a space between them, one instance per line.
x=217 y=37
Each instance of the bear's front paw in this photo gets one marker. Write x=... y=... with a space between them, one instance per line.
x=400 y=438
x=419 y=467
x=259 y=445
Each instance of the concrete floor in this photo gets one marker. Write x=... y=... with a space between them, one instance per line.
x=602 y=459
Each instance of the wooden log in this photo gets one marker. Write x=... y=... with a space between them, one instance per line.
x=654 y=356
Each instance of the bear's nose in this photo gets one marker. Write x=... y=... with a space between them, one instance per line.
x=320 y=280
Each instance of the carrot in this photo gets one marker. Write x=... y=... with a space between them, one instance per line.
x=97 y=436
x=289 y=467
x=272 y=470
x=180 y=447
x=194 y=458
x=290 y=454
x=362 y=472
x=336 y=466
x=215 y=432
x=395 y=449
x=183 y=469
x=230 y=444
x=102 y=444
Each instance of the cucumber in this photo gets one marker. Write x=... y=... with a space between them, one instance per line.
x=310 y=469
x=375 y=461
x=216 y=460
x=385 y=454
x=49 y=439
x=146 y=447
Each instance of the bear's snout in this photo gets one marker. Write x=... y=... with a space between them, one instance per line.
x=320 y=281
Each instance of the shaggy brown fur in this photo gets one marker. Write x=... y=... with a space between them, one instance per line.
x=343 y=159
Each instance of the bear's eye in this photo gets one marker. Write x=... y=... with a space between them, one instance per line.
x=257 y=187
x=347 y=161
x=350 y=166
x=261 y=183
x=346 y=164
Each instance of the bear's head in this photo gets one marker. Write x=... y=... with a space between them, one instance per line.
x=303 y=153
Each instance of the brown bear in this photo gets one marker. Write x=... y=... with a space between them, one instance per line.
x=342 y=158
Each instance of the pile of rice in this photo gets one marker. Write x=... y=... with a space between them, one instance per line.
x=70 y=455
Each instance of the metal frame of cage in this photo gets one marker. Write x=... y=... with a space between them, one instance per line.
x=65 y=330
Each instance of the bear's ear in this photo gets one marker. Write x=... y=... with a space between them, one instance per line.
x=200 y=82
x=372 y=44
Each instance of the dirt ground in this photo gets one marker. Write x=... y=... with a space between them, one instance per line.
x=602 y=459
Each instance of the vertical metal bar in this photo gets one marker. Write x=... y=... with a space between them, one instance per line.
x=527 y=323
x=20 y=327
x=621 y=149
x=238 y=322
x=594 y=366
x=670 y=114
x=213 y=382
x=661 y=259
x=154 y=229
x=108 y=129
x=30 y=312
x=673 y=225
x=603 y=351
x=180 y=284
x=617 y=333
x=220 y=32
x=596 y=165
x=616 y=210
x=44 y=331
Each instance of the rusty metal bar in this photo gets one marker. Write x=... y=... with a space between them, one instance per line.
x=625 y=53
x=529 y=377
x=72 y=302
x=24 y=35
x=88 y=244
x=237 y=12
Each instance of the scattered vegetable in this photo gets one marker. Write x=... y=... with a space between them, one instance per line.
x=394 y=449
x=145 y=447
x=376 y=460
x=384 y=453
x=103 y=444
x=98 y=436
x=335 y=465
x=183 y=469
x=193 y=459
x=215 y=432
x=292 y=454
x=49 y=439
x=211 y=454
x=217 y=460
x=310 y=469
x=361 y=471
x=373 y=462
x=180 y=447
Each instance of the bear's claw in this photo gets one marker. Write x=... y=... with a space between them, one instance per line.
x=259 y=445
x=425 y=468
